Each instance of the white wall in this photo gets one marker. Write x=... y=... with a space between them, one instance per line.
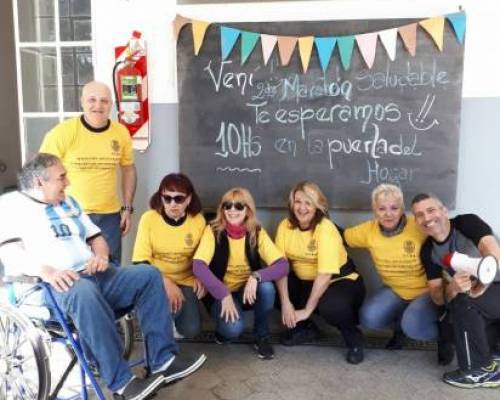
x=153 y=18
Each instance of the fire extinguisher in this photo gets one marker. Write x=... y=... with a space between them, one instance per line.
x=129 y=85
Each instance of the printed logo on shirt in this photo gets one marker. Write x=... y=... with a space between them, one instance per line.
x=409 y=246
x=115 y=146
x=188 y=239
x=312 y=246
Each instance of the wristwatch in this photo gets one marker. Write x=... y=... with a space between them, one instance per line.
x=130 y=209
x=257 y=276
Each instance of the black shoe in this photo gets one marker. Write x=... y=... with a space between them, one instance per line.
x=445 y=352
x=355 y=355
x=482 y=377
x=182 y=366
x=264 y=348
x=495 y=355
x=299 y=335
x=219 y=339
x=140 y=389
x=397 y=341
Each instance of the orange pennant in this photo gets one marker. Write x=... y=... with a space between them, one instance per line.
x=305 y=48
x=178 y=24
x=286 y=45
x=199 y=29
x=409 y=35
x=435 y=28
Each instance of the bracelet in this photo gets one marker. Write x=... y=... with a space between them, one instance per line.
x=130 y=209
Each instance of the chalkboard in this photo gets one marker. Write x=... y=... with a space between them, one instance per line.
x=266 y=127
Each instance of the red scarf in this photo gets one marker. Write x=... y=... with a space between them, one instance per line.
x=236 y=231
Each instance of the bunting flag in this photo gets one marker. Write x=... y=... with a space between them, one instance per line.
x=286 y=45
x=435 y=28
x=457 y=21
x=268 y=42
x=388 y=38
x=305 y=49
x=228 y=38
x=409 y=36
x=199 y=29
x=324 y=47
x=345 y=45
x=367 y=44
x=248 y=42
x=178 y=24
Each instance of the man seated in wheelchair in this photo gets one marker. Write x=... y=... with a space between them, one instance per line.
x=45 y=233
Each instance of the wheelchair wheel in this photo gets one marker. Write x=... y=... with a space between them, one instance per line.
x=24 y=363
x=125 y=326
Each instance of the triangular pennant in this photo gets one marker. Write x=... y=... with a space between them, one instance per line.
x=457 y=21
x=324 y=47
x=228 y=37
x=367 y=44
x=178 y=24
x=435 y=28
x=286 y=45
x=199 y=29
x=345 y=45
x=388 y=38
x=268 y=42
x=305 y=48
x=248 y=42
x=409 y=35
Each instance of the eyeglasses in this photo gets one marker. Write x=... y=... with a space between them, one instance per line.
x=179 y=199
x=228 y=205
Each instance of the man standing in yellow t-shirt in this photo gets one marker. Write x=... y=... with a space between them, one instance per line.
x=92 y=147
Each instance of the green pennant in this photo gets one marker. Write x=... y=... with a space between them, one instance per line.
x=345 y=45
x=248 y=42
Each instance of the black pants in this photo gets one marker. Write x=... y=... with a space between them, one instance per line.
x=339 y=305
x=471 y=318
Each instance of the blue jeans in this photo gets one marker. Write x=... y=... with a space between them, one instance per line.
x=110 y=229
x=385 y=309
x=92 y=302
x=188 y=319
x=262 y=307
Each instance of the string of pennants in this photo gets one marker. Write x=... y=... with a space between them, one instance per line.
x=325 y=45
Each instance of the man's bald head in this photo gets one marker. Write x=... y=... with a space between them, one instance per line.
x=96 y=104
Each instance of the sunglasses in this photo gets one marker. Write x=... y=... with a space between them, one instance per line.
x=228 y=205
x=179 y=199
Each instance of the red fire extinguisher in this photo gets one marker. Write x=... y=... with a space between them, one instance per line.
x=129 y=82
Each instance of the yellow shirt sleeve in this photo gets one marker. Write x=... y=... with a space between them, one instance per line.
x=357 y=236
x=280 y=235
x=143 y=250
x=58 y=139
x=206 y=248
x=331 y=251
x=127 y=157
x=268 y=251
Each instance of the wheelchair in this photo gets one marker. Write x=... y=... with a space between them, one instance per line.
x=27 y=334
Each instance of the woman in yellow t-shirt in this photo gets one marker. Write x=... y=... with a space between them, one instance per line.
x=237 y=262
x=322 y=279
x=394 y=242
x=167 y=238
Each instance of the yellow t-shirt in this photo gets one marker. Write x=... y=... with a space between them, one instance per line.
x=169 y=248
x=397 y=258
x=313 y=252
x=238 y=268
x=91 y=160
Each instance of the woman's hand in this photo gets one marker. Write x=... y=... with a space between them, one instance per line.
x=250 y=292
x=229 y=312
x=288 y=316
x=174 y=294
x=199 y=289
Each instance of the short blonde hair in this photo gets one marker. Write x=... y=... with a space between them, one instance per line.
x=386 y=189
x=240 y=194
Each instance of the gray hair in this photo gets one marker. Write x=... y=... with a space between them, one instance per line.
x=386 y=189
x=35 y=168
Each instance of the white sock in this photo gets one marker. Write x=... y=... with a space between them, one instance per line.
x=122 y=389
x=164 y=366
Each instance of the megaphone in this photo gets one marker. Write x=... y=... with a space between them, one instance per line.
x=484 y=269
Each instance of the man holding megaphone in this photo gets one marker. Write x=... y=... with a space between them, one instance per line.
x=460 y=257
